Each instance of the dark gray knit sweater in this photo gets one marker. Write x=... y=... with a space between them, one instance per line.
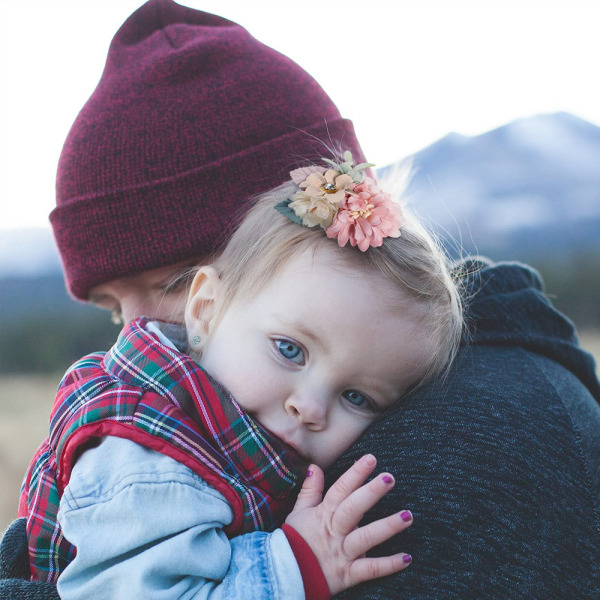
x=501 y=464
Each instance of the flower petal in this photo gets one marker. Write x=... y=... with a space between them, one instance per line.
x=343 y=181
x=331 y=175
x=345 y=235
x=338 y=197
x=376 y=238
x=365 y=226
x=316 y=180
x=301 y=174
x=363 y=245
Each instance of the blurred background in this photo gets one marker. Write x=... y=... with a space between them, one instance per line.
x=496 y=104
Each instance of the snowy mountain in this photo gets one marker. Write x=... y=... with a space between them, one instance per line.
x=526 y=189
x=28 y=252
x=529 y=187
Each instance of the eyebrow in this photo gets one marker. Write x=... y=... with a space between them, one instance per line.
x=301 y=328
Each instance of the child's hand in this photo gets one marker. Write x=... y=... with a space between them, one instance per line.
x=330 y=526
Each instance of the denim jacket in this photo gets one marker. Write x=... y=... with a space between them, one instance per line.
x=173 y=544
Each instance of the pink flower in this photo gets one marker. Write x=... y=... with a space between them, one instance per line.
x=367 y=216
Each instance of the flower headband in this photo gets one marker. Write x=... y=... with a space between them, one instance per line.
x=345 y=203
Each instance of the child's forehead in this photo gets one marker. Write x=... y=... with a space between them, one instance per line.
x=319 y=275
x=321 y=297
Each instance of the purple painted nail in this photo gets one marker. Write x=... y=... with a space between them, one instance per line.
x=309 y=472
x=407 y=558
x=406 y=515
x=387 y=479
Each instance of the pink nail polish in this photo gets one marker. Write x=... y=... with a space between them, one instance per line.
x=387 y=479
x=406 y=515
x=309 y=472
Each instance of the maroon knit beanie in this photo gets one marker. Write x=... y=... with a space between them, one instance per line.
x=192 y=116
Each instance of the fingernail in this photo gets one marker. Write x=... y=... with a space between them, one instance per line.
x=369 y=459
x=406 y=515
x=407 y=558
x=387 y=479
x=309 y=472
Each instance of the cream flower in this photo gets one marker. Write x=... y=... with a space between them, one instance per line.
x=313 y=210
x=331 y=185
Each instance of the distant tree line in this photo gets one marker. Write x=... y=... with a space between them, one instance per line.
x=42 y=330
x=573 y=285
x=40 y=344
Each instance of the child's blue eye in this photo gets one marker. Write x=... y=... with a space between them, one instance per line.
x=290 y=351
x=356 y=399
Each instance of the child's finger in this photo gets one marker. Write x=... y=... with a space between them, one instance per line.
x=361 y=540
x=350 y=481
x=351 y=510
x=311 y=492
x=365 y=569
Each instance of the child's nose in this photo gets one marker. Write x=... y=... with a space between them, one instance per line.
x=309 y=409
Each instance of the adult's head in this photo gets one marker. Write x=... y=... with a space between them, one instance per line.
x=192 y=116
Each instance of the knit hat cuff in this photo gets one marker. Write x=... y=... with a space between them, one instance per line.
x=113 y=234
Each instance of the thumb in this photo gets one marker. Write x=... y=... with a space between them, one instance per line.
x=311 y=493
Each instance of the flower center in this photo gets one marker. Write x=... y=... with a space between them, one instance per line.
x=365 y=214
x=330 y=188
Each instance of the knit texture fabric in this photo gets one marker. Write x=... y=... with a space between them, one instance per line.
x=14 y=558
x=19 y=589
x=151 y=394
x=500 y=464
x=192 y=118
x=14 y=568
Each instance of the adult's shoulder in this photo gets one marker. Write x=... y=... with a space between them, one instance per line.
x=506 y=306
x=500 y=461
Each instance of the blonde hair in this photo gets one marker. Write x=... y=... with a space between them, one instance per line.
x=266 y=240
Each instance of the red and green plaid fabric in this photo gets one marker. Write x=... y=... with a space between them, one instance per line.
x=147 y=392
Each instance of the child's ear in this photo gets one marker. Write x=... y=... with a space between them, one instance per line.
x=201 y=306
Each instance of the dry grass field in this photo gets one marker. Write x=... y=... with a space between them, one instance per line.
x=25 y=404
x=24 y=407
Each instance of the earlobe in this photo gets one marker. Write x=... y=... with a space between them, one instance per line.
x=201 y=305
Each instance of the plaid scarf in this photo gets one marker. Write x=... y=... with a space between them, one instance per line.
x=158 y=397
